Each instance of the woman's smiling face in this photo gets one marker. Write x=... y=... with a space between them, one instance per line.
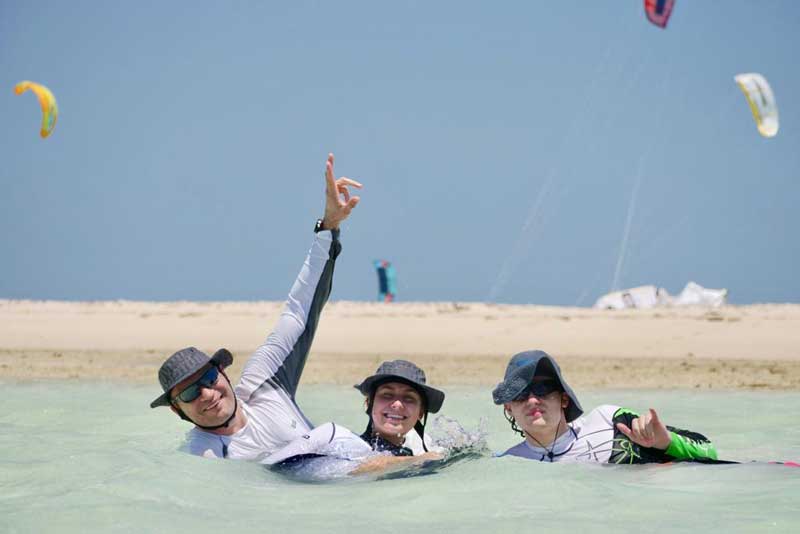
x=396 y=408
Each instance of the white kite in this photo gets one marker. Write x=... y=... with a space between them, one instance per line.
x=762 y=102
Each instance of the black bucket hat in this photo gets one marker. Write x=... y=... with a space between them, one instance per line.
x=184 y=364
x=408 y=373
x=520 y=372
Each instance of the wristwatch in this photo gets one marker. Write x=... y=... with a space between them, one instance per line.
x=318 y=226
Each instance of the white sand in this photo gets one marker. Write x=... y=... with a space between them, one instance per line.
x=734 y=346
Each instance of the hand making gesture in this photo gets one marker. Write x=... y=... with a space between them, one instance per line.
x=647 y=431
x=338 y=202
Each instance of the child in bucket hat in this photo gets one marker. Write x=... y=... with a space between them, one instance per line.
x=398 y=399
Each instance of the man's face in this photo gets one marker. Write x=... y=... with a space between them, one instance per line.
x=539 y=414
x=213 y=406
x=395 y=410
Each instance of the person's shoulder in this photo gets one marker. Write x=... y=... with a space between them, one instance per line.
x=606 y=409
x=201 y=443
x=604 y=412
x=414 y=443
x=521 y=449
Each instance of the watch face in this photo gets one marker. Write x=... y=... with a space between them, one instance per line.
x=318 y=226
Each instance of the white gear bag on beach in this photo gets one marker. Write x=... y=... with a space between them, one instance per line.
x=645 y=297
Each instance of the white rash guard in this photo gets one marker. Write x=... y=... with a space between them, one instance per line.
x=594 y=437
x=266 y=390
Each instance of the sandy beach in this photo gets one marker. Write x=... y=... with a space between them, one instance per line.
x=751 y=347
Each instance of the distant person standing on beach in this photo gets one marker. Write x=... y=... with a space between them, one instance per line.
x=260 y=415
x=387 y=284
x=544 y=410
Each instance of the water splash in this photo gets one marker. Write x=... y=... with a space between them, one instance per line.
x=336 y=461
x=448 y=434
x=454 y=442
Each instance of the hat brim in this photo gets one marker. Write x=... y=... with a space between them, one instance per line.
x=222 y=359
x=510 y=388
x=434 y=398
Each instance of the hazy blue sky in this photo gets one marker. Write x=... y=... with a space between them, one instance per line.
x=499 y=143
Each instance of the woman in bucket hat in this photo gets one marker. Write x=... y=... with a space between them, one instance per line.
x=397 y=400
x=543 y=409
x=260 y=415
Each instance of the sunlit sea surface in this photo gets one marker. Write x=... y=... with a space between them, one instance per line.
x=95 y=458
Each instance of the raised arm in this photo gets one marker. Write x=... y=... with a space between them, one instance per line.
x=283 y=356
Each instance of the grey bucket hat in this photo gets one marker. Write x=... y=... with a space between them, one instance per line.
x=520 y=372
x=184 y=364
x=408 y=373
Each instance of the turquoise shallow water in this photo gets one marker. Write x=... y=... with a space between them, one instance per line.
x=95 y=458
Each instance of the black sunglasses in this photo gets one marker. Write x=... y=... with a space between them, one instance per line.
x=192 y=391
x=539 y=389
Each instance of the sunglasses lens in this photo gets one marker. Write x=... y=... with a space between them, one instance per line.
x=543 y=388
x=208 y=379
x=522 y=397
x=189 y=394
x=539 y=389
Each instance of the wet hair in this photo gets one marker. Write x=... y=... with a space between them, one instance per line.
x=510 y=419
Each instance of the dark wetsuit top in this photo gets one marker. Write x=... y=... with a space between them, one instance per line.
x=381 y=445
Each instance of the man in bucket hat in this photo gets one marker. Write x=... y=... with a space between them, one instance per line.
x=544 y=410
x=260 y=415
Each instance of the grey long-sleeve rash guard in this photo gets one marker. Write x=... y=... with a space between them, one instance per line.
x=266 y=391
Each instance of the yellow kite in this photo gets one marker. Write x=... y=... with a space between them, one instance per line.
x=47 y=102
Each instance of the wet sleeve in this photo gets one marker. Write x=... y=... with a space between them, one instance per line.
x=283 y=356
x=687 y=445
